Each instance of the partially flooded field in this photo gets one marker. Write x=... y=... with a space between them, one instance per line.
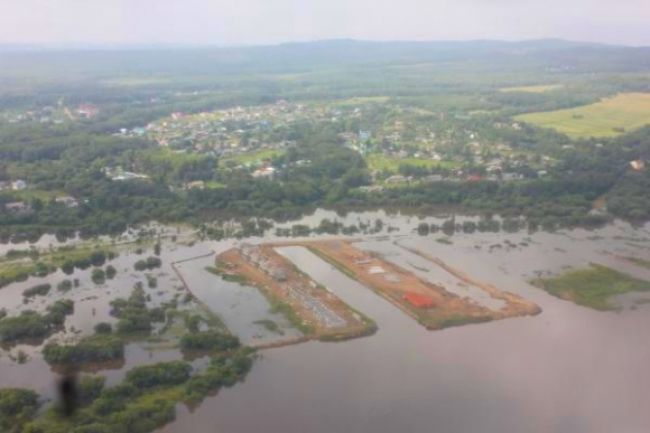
x=93 y=303
x=313 y=309
x=243 y=309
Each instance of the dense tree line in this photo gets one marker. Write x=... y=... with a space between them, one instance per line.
x=141 y=403
x=208 y=340
x=96 y=348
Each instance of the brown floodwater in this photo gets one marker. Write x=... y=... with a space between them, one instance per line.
x=567 y=370
x=91 y=306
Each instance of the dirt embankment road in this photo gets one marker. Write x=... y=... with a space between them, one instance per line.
x=515 y=304
x=315 y=310
x=395 y=283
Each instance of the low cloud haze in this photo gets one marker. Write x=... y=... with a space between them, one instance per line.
x=271 y=21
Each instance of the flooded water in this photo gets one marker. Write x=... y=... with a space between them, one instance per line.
x=430 y=272
x=567 y=370
x=91 y=306
x=242 y=308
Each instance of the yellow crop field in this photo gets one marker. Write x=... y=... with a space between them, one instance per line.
x=606 y=118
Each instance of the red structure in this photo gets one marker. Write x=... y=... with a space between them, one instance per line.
x=420 y=301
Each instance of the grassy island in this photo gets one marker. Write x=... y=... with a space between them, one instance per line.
x=592 y=287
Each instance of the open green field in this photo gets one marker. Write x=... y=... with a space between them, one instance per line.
x=606 y=118
x=163 y=155
x=213 y=184
x=359 y=100
x=381 y=162
x=31 y=194
x=533 y=89
x=592 y=287
x=250 y=157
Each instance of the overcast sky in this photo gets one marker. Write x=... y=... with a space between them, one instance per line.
x=236 y=22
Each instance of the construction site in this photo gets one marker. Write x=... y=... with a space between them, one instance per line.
x=322 y=315
x=431 y=305
x=313 y=309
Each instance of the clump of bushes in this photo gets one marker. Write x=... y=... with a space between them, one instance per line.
x=133 y=314
x=193 y=322
x=30 y=324
x=208 y=340
x=57 y=312
x=64 y=286
x=98 y=276
x=148 y=264
x=17 y=406
x=110 y=272
x=38 y=290
x=103 y=328
x=96 y=258
x=95 y=348
x=164 y=373
x=89 y=389
x=223 y=370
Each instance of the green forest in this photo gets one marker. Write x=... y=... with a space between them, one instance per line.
x=429 y=87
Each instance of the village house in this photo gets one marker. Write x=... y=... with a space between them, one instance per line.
x=197 y=184
x=87 y=110
x=18 y=185
x=18 y=207
x=511 y=176
x=118 y=174
x=637 y=164
x=264 y=172
x=433 y=178
x=67 y=201
x=398 y=178
x=371 y=188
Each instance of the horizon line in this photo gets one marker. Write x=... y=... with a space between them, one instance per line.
x=107 y=46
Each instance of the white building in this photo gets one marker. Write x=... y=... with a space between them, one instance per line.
x=18 y=185
x=264 y=172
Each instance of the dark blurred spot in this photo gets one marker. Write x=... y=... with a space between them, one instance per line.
x=68 y=394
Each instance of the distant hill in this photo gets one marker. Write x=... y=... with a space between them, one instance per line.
x=308 y=56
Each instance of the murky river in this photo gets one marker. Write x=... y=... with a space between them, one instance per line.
x=569 y=369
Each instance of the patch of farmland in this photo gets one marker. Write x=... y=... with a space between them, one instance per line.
x=607 y=118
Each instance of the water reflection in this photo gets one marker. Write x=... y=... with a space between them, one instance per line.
x=569 y=369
